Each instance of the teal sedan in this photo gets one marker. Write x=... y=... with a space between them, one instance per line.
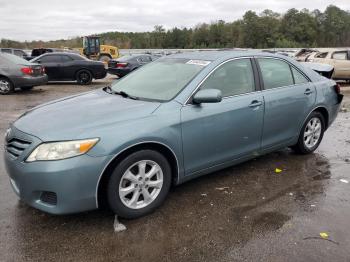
x=172 y=120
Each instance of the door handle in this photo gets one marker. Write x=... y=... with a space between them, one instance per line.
x=308 y=92
x=255 y=103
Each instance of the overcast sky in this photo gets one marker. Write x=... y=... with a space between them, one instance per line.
x=56 y=19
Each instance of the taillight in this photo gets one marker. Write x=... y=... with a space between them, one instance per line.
x=27 y=70
x=121 y=65
x=337 y=88
x=43 y=70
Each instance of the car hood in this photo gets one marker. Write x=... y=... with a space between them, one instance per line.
x=72 y=117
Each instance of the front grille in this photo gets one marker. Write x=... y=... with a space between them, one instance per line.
x=15 y=147
x=49 y=198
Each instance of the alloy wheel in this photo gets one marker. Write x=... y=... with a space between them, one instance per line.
x=141 y=184
x=312 y=132
x=4 y=86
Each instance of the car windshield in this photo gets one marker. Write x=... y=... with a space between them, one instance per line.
x=16 y=59
x=161 y=80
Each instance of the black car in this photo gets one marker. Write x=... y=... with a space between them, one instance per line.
x=71 y=67
x=17 y=72
x=125 y=64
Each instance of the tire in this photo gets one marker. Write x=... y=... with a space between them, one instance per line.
x=315 y=126
x=6 y=86
x=127 y=176
x=26 y=88
x=84 y=77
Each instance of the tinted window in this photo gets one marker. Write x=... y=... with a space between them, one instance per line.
x=6 y=50
x=66 y=58
x=275 y=73
x=50 y=59
x=340 y=55
x=298 y=77
x=232 y=78
x=19 y=53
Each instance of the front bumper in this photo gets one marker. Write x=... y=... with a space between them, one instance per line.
x=73 y=181
x=29 y=81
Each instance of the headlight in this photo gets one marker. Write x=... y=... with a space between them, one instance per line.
x=61 y=150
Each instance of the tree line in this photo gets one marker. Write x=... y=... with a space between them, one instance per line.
x=295 y=28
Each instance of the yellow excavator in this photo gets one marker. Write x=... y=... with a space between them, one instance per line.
x=93 y=49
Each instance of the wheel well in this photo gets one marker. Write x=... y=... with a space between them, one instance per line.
x=76 y=73
x=2 y=76
x=164 y=150
x=325 y=114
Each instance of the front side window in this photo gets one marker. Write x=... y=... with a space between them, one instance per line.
x=161 y=80
x=321 y=55
x=275 y=73
x=232 y=78
x=340 y=55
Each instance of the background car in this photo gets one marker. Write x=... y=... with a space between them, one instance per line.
x=339 y=58
x=14 y=51
x=18 y=72
x=71 y=67
x=124 y=65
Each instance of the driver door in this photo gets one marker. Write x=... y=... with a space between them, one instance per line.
x=217 y=133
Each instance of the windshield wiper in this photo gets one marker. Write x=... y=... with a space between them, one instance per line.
x=109 y=90
x=126 y=95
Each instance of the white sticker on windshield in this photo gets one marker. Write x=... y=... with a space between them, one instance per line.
x=198 y=62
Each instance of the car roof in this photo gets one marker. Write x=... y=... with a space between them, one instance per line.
x=218 y=55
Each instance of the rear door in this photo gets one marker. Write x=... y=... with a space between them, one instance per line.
x=289 y=97
x=52 y=65
x=69 y=67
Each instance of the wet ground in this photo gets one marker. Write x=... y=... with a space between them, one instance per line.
x=244 y=213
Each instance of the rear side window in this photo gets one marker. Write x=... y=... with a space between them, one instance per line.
x=66 y=58
x=232 y=78
x=299 y=78
x=19 y=53
x=340 y=55
x=275 y=73
x=321 y=55
x=50 y=59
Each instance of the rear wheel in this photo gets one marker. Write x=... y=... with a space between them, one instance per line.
x=84 y=77
x=139 y=184
x=311 y=134
x=6 y=87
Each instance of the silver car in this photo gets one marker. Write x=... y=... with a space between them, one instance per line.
x=18 y=72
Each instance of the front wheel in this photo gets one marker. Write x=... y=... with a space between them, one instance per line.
x=311 y=134
x=139 y=184
x=84 y=77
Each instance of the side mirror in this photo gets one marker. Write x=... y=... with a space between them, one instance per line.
x=207 y=96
